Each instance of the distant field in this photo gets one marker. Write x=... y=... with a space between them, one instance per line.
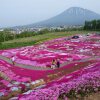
x=37 y=39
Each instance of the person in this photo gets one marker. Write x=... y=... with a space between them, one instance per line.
x=58 y=63
x=13 y=60
x=53 y=65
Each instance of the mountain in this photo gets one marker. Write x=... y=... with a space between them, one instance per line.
x=70 y=17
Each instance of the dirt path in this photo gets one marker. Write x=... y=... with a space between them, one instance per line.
x=23 y=65
x=70 y=68
x=42 y=68
x=93 y=96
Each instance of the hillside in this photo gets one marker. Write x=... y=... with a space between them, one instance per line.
x=38 y=39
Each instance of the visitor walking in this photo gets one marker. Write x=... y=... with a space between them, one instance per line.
x=13 y=60
x=58 y=63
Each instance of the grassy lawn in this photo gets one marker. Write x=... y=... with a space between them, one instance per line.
x=37 y=39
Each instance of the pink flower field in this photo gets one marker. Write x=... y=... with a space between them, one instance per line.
x=32 y=78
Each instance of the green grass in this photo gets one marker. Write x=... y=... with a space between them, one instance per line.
x=37 y=39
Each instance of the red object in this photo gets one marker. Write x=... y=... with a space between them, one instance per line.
x=22 y=87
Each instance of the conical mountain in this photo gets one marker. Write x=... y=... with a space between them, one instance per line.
x=72 y=16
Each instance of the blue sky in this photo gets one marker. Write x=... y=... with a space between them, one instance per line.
x=22 y=12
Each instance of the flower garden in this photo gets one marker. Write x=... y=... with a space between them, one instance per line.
x=78 y=75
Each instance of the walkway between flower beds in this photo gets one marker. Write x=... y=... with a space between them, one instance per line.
x=24 y=66
x=40 y=68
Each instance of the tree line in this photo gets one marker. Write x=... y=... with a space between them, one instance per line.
x=6 y=35
x=92 y=25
